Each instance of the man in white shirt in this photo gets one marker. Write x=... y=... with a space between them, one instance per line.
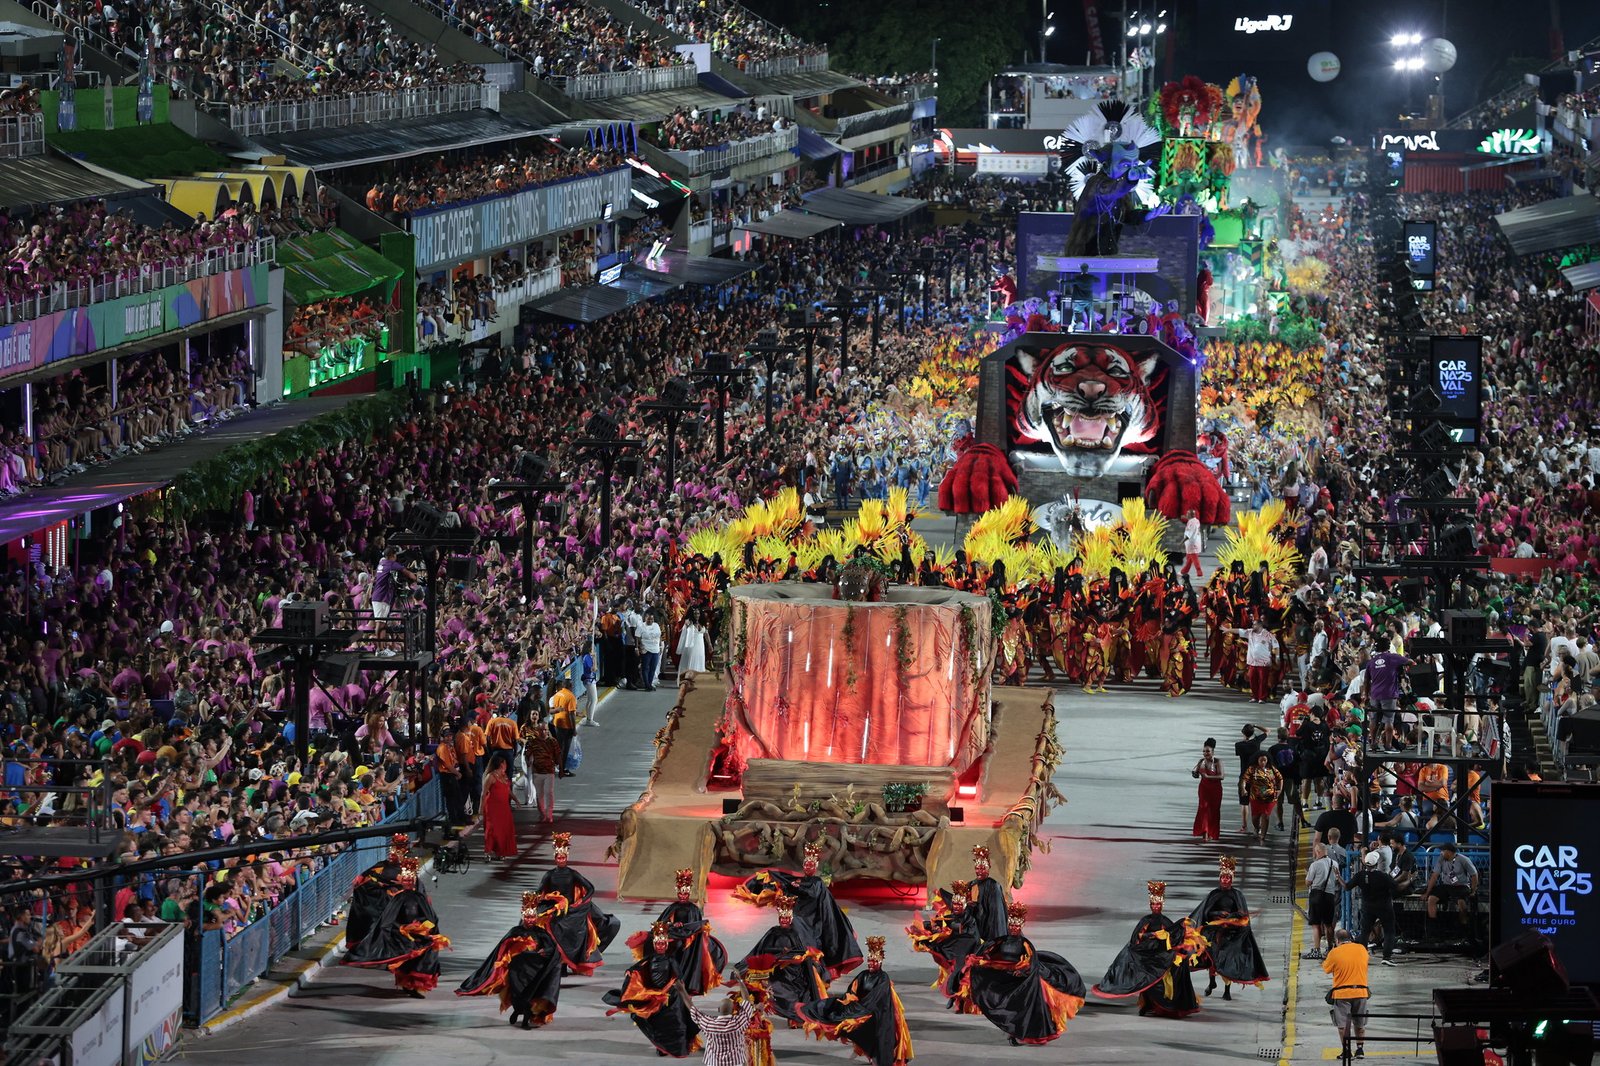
x=1193 y=541
x=1261 y=652
x=630 y=645
x=649 y=634
x=1317 y=659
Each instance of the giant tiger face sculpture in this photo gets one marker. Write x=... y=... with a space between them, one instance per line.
x=1086 y=398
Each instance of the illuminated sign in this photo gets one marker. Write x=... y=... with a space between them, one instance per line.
x=1270 y=24
x=1541 y=879
x=1422 y=249
x=1510 y=142
x=1411 y=142
x=1456 y=363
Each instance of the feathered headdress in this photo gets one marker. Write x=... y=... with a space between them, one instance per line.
x=980 y=853
x=408 y=871
x=875 y=946
x=660 y=931
x=784 y=903
x=1099 y=140
x=399 y=842
x=530 y=904
x=958 y=888
x=1157 y=890
x=561 y=841
x=684 y=878
x=1226 y=864
x=1016 y=912
x=814 y=851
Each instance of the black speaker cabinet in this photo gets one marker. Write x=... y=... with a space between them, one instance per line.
x=308 y=619
x=1458 y=1045
x=1466 y=627
x=1528 y=967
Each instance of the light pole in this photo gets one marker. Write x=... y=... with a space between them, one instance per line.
x=1047 y=27
x=1407 y=60
x=720 y=374
x=603 y=441
x=672 y=409
x=768 y=349
x=812 y=323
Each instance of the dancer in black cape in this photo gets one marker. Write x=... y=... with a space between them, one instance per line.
x=584 y=931
x=785 y=965
x=949 y=936
x=405 y=939
x=817 y=914
x=524 y=969
x=1028 y=994
x=1154 y=964
x=700 y=956
x=650 y=994
x=372 y=889
x=1231 y=949
x=869 y=1014
x=986 y=898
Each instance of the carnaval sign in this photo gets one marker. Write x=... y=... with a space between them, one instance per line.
x=1545 y=842
x=1456 y=363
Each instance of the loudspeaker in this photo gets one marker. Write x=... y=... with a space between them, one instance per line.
x=531 y=469
x=1466 y=627
x=731 y=805
x=461 y=568
x=424 y=519
x=602 y=427
x=1458 y=541
x=308 y=619
x=957 y=815
x=1458 y=1045
x=339 y=669
x=1528 y=968
x=1424 y=679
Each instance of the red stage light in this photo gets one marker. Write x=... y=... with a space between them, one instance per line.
x=967 y=791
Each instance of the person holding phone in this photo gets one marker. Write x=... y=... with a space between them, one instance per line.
x=1208 y=771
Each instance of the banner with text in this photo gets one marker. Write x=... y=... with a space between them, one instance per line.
x=454 y=234
x=78 y=331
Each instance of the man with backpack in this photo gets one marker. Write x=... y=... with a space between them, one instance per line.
x=1284 y=757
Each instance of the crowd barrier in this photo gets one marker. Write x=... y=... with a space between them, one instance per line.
x=329 y=112
x=737 y=153
x=226 y=966
x=781 y=65
x=626 y=82
x=1426 y=852
x=21 y=135
x=63 y=296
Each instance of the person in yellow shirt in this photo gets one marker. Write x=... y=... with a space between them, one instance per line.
x=1347 y=962
x=449 y=766
x=564 y=721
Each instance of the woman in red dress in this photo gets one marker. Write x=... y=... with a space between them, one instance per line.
x=499 y=828
x=1208 y=819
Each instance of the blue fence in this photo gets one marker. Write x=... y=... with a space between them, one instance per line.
x=1426 y=855
x=226 y=967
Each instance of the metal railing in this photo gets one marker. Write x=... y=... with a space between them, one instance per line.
x=736 y=153
x=21 y=135
x=229 y=965
x=778 y=66
x=626 y=82
x=63 y=296
x=249 y=16
x=329 y=112
x=84 y=34
x=529 y=287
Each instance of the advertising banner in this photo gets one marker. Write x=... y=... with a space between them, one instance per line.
x=455 y=234
x=129 y=318
x=1422 y=252
x=18 y=353
x=98 y=1041
x=1455 y=371
x=155 y=1003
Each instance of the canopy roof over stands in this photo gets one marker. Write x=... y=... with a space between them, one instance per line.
x=855 y=208
x=814 y=145
x=685 y=269
x=42 y=179
x=1553 y=224
x=796 y=224
x=591 y=303
x=343 y=146
x=1582 y=276
x=653 y=107
x=332 y=263
x=803 y=84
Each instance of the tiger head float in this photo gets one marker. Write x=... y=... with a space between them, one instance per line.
x=1087 y=401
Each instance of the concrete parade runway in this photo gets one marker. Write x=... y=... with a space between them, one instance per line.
x=1131 y=804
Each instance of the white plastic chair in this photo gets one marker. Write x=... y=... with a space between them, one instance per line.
x=1438 y=732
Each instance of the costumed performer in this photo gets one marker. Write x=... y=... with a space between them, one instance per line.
x=584 y=931
x=783 y=966
x=817 y=914
x=524 y=969
x=869 y=1014
x=1154 y=964
x=649 y=994
x=1028 y=994
x=700 y=956
x=1224 y=921
x=949 y=936
x=405 y=939
x=372 y=890
x=986 y=898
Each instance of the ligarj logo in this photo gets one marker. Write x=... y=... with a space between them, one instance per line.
x=1547 y=879
x=1272 y=23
